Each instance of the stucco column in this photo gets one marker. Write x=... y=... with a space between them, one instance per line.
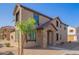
x=39 y=38
x=44 y=39
x=20 y=41
x=54 y=38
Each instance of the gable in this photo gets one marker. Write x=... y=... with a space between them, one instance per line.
x=47 y=24
x=58 y=19
x=50 y=27
x=16 y=9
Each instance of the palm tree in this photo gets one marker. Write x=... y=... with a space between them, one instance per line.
x=26 y=26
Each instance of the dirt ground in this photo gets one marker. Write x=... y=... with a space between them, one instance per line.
x=14 y=50
x=66 y=49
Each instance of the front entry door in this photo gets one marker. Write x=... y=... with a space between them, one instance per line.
x=50 y=38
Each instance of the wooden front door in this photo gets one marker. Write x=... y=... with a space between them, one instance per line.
x=50 y=38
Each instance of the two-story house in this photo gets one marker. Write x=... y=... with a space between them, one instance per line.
x=50 y=31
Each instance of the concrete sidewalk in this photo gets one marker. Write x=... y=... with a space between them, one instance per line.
x=65 y=51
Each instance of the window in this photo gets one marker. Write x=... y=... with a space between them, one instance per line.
x=57 y=23
x=31 y=36
x=57 y=36
x=17 y=16
x=36 y=17
x=71 y=30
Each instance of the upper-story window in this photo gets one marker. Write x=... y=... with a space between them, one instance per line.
x=17 y=16
x=71 y=30
x=36 y=17
x=57 y=23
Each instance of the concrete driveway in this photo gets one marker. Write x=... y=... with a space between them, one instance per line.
x=42 y=52
x=69 y=46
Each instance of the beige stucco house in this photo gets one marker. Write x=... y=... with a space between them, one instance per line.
x=5 y=32
x=72 y=34
x=50 y=31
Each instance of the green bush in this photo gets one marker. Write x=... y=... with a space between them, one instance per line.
x=7 y=44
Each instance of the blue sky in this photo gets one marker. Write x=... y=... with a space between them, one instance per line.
x=68 y=13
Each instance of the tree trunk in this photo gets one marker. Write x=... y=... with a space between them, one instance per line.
x=18 y=47
x=20 y=44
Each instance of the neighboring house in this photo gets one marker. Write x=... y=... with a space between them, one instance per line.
x=72 y=37
x=50 y=31
x=77 y=32
x=5 y=32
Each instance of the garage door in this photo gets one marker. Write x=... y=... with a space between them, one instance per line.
x=71 y=38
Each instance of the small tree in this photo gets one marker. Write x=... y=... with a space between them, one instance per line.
x=25 y=26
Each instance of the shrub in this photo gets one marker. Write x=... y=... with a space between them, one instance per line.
x=7 y=44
